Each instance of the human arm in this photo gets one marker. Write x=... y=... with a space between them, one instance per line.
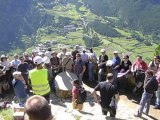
x=84 y=69
x=96 y=97
x=117 y=63
x=117 y=97
x=94 y=93
x=74 y=93
x=129 y=70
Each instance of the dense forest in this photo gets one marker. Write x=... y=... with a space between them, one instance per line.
x=21 y=21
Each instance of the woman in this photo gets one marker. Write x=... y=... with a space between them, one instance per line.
x=8 y=74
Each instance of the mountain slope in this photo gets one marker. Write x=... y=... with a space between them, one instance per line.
x=25 y=23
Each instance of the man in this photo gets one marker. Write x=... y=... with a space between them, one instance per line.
x=67 y=62
x=19 y=88
x=39 y=79
x=37 y=108
x=15 y=62
x=84 y=56
x=75 y=52
x=150 y=86
x=103 y=58
x=154 y=64
x=28 y=60
x=157 y=103
x=79 y=67
x=23 y=67
x=55 y=63
x=62 y=54
x=116 y=63
x=48 y=53
x=107 y=91
x=138 y=68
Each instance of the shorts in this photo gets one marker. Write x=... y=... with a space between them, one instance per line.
x=77 y=106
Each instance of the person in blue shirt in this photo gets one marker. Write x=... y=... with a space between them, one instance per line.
x=116 y=63
x=19 y=88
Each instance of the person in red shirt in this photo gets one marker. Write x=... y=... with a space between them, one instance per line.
x=138 y=68
x=75 y=105
x=139 y=65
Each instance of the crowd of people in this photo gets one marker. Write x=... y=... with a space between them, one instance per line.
x=37 y=72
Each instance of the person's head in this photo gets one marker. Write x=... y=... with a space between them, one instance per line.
x=126 y=58
x=64 y=50
x=26 y=55
x=54 y=54
x=17 y=75
x=149 y=73
x=16 y=56
x=115 y=53
x=37 y=108
x=90 y=58
x=68 y=54
x=34 y=52
x=84 y=51
x=103 y=51
x=38 y=61
x=77 y=47
x=91 y=50
x=157 y=59
x=78 y=56
x=139 y=58
x=49 y=49
x=3 y=58
x=21 y=58
x=76 y=82
x=110 y=77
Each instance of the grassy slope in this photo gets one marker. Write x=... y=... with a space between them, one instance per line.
x=123 y=45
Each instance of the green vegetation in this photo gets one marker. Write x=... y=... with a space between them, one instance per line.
x=6 y=114
x=127 y=26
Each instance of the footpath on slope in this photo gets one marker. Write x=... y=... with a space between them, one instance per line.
x=62 y=109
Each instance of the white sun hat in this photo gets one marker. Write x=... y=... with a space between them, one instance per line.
x=38 y=60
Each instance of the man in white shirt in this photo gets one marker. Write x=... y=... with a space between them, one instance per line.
x=84 y=56
x=15 y=62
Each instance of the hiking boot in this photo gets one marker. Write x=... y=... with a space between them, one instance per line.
x=137 y=115
x=156 y=107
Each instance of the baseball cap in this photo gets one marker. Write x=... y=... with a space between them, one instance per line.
x=103 y=50
x=115 y=52
x=16 y=73
x=38 y=60
x=3 y=56
x=68 y=53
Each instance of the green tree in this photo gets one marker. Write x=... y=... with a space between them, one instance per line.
x=157 y=50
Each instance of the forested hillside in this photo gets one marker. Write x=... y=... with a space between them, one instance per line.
x=26 y=22
x=19 y=22
x=142 y=15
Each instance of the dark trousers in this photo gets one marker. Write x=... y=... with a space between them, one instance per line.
x=111 y=110
x=47 y=97
x=52 y=85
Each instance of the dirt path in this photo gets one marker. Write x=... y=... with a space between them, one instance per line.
x=62 y=109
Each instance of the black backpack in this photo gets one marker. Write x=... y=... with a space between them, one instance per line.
x=82 y=95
